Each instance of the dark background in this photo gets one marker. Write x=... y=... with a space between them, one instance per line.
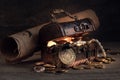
x=17 y=15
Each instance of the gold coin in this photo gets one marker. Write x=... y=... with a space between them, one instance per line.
x=96 y=63
x=78 y=67
x=39 y=69
x=49 y=65
x=110 y=59
x=39 y=63
x=99 y=66
x=67 y=56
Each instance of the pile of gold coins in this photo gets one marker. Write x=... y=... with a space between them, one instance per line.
x=48 y=68
x=98 y=63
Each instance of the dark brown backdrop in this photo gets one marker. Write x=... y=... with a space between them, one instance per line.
x=17 y=15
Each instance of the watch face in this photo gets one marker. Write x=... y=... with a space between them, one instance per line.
x=67 y=56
